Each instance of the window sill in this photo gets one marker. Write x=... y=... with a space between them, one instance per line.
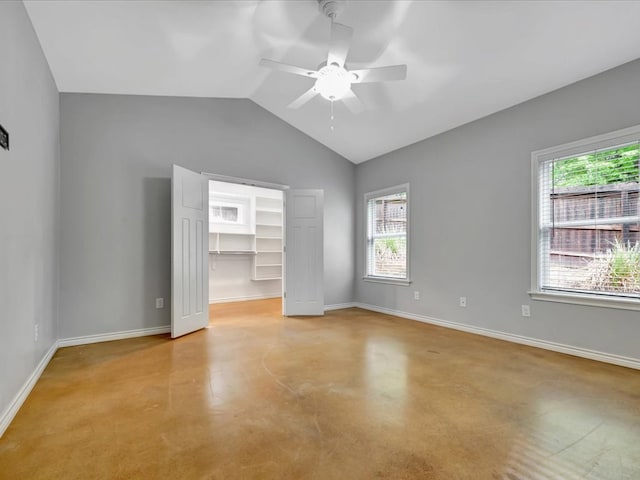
x=588 y=300
x=388 y=280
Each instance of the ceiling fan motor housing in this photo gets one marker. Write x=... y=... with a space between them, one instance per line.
x=333 y=82
x=331 y=8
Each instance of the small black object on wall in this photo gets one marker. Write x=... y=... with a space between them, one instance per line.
x=4 y=138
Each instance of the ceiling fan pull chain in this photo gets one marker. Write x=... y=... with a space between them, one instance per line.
x=332 y=117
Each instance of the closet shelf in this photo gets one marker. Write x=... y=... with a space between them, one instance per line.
x=262 y=237
x=233 y=252
x=268 y=210
x=268 y=265
x=266 y=278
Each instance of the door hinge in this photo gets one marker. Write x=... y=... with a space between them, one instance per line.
x=284 y=294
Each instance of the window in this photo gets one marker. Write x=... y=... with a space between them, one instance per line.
x=587 y=244
x=222 y=214
x=228 y=209
x=229 y=213
x=387 y=248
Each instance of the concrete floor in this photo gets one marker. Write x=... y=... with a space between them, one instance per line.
x=353 y=395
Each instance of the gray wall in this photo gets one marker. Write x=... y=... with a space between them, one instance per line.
x=471 y=216
x=29 y=203
x=117 y=153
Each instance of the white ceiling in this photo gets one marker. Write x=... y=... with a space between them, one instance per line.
x=466 y=59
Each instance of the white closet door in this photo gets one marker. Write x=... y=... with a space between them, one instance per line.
x=189 y=251
x=304 y=265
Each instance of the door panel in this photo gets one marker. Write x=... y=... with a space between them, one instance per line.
x=304 y=264
x=189 y=251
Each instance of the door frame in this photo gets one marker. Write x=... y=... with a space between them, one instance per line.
x=245 y=181
x=273 y=186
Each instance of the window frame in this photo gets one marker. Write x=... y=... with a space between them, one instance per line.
x=402 y=188
x=539 y=158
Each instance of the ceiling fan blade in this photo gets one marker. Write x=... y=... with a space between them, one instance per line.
x=304 y=98
x=353 y=103
x=284 y=67
x=379 y=74
x=339 y=45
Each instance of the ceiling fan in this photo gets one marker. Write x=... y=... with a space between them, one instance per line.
x=332 y=78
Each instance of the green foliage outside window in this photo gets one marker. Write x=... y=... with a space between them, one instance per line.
x=618 y=270
x=619 y=165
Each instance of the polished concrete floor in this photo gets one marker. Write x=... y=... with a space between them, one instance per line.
x=353 y=395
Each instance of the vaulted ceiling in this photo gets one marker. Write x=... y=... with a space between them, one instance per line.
x=466 y=59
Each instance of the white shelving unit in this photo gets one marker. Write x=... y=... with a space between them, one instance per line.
x=267 y=263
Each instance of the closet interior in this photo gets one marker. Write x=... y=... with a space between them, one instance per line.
x=245 y=242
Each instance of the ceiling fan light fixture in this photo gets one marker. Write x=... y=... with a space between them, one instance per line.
x=333 y=82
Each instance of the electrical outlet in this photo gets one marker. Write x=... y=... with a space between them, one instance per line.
x=526 y=311
x=416 y=295
x=463 y=301
x=35 y=332
x=159 y=302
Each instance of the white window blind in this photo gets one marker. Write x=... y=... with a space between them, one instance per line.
x=387 y=229
x=588 y=222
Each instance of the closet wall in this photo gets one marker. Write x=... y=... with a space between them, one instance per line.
x=245 y=242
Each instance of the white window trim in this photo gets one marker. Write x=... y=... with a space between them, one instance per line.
x=381 y=193
x=625 y=135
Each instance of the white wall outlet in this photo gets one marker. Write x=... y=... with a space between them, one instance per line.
x=35 y=332
x=463 y=301
x=159 y=302
x=416 y=295
x=526 y=311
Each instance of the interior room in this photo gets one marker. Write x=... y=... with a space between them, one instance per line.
x=320 y=239
x=245 y=242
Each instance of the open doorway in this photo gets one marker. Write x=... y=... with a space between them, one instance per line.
x=273 y=243
x=246 y=241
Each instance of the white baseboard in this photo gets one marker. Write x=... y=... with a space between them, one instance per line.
x=243 y=299
x=10 y=412
x=339 y=306
x=107 y=337
x=509 y=337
